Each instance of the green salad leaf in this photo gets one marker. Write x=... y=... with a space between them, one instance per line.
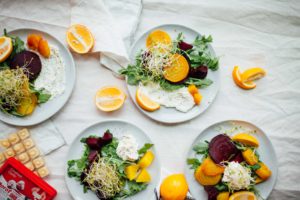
x=76 y=167
x=42 y=95
x=194 y=162
x=131 y=188
x=201 y=148
x=145 y=148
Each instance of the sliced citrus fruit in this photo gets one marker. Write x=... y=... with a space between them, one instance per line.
x=237 y=77
x=253 y=74
x=158 y=37
x=6 y=48
x=244 y=195
x=145 y=102
x=109 y=98
x=80 y=39
x=246 y=139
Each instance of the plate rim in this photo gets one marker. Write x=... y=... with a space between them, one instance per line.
x=186 y=167
x=69 y=94
x=149 y=114
x=101 y=122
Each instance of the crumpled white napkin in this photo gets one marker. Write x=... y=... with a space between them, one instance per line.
x=112 y=23
x=46 y=136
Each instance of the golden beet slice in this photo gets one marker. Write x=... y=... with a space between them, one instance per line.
x=206 y=180
x=210 y=168
x=178 y=70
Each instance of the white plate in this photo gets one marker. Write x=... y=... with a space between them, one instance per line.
x=117 y=128
x=265 y=150
x=171 y=115
x=48 y=109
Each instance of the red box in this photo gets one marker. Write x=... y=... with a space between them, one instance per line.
x=19 y=183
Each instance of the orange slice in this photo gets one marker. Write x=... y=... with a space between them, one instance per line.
x=6 y=48
x=236 y=75
x=145 y=102
x=109 y=98
x=80 y=39
x=253 y=74
x=244 y=195
x=158 y=37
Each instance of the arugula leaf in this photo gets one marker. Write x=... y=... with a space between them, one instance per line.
x=145 y=148
x=76 y=167
x=200 y=54
x=221 y=187
x=200 y=83
x=254 y=167
x=42 y=95
x=201 y=148
x=132 y=188
x=194 y=162
x=166 y=85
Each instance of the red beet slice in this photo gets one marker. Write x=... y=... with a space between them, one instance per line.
x=107 y=137
x=212 y=192
x=92 y=155
x=221 y=148
x=92 y=143
x=29 y=60
x=184 y=46
x=238 y=158
x=198 y=72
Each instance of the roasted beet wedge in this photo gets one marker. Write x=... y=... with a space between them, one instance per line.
x=221 y=148
x=92 y=155
x=107 y=137
x=212 y=192
x=184 y=46
x=198 y=72
x=28 y=60
x=92 y=142
x=238 y=158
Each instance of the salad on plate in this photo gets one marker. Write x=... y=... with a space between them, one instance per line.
x=111 y=167
x=229 y=167
x=169 y=72
x=31 y=73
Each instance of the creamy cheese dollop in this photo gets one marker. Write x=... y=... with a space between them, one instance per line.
x=179 y=99
x=128 y=148
x=237 y=176
x=52 y=76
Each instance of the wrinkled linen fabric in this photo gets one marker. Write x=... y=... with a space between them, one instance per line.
x=263 y=33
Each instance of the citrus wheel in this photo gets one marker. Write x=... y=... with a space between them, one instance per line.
x=145 y=102
x=237 y=77
x=244 y=195
x=109 y=98
x=80 y=38
x=6 y=48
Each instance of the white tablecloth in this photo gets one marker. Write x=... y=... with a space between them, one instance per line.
x=262 y=33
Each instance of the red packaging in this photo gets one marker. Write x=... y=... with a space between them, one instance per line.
x=19 y=183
